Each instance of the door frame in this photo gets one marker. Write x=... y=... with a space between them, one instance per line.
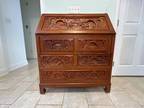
x=33 y=54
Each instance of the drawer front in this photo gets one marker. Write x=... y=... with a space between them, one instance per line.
x=93 y=59
x=73 y=76
x=56 y=60
x=56 y=44
x=93 y=43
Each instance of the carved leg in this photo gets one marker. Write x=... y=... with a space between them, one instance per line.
x=107 y=88
x=42 y=90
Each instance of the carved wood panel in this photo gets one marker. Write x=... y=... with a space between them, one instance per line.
x=52 y=44
x=93 y=59
x=75 y=23
x=75 y=50
x=92 y=44
x=73 y=76
x=56 y=60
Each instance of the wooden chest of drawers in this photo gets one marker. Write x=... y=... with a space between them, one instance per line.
x=75 y=50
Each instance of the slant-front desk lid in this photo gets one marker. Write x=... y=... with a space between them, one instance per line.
x=75 y=23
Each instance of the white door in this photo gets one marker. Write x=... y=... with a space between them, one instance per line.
x=129 y=47
x=30 y=15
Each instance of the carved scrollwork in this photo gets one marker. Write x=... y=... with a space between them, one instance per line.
x=77 y=23
x=88 y=44
x=74 y=76
x=56 y=60
x=97 y=59
x=58 y=45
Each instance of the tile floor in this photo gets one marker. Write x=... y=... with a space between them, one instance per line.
x=19 y=89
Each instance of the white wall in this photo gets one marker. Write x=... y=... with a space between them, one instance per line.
x=12 y=47
x=86 y=6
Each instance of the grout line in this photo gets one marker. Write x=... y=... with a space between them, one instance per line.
x=50 y=104
x=86 y=96
x=21 y=94
x=37 y=102
x=133 y=98
x=111 y=100
x=65 y=91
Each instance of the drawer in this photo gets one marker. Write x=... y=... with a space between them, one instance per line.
x=56 y=60
x=56 y=44
x=73 y=76
x=93 y=59
x=94 y=43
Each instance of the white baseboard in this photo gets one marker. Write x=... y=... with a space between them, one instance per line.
x=129 y=71
x=17 y=65
x=12 y=67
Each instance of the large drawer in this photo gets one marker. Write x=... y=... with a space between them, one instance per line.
x=54 y=61
x=81 y=76
x=93 y=43
x=56 y=44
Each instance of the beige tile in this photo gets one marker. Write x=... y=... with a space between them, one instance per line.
x=34 y=87
x=47 y=106
x=102 y=107
x=75 y=100
x=123 y=100
x=136 y=89
x=52 y=96
x=98 y=97
x=10 y=82
x=31 y=77
x=9 y=96
x=126 y=92
x=135 y=106
x=4 y=106
x=119 y=84
x=28 y=100
x=137 y=95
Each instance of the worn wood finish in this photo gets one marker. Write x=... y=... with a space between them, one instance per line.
x=75 y=50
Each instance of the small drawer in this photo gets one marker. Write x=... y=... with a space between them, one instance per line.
x=93 y=59
x=56 y=44
x=47 y=61
x=73 y=76
x=93 y=43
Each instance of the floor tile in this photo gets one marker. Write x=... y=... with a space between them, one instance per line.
x=47 y=106
x=116 y=84
x=75 y=100
x=136 y=93
x=18 y=86
x=102 y=107
x=9 y=96
x=135 y=106
x=123 y=100
x=28 y=100
x=4 y=106
x=34 y=86
x=52 y=96
x=97 y=97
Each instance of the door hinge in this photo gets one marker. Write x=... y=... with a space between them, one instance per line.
x=118 y=22
x=113 y=63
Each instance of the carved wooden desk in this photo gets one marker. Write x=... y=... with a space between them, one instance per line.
x=75 y=50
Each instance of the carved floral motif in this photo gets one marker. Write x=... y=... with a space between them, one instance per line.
x=74 y=76
x=58 y=45
x=77 y=23
x=56 y=60
x=89 y=44
x=97 y=59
